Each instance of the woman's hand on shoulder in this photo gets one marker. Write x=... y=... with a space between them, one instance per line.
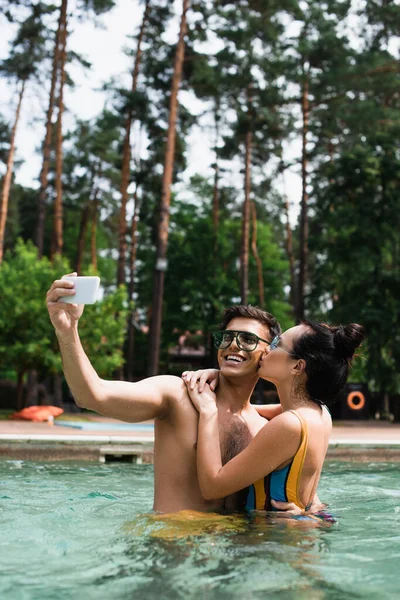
x=205 y=401
x=200 y=377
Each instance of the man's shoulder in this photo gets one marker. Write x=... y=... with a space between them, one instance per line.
x=170 y=385
x=174 y=393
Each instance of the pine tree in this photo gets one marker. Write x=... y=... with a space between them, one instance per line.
x=59 y=78
x=27 y=52
x=126 y=155
x=317 y=62
x=163 y=225
x=91 y=176
x=39 y=233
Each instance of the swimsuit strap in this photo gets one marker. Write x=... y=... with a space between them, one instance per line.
x=296 y=467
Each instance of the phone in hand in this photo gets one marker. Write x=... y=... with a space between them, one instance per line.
x=86 y=289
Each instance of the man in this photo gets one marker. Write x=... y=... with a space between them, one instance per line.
x=165 y=399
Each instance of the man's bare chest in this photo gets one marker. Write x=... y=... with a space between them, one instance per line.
x=236 y=433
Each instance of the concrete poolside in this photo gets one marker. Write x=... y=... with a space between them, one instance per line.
x=99 y=438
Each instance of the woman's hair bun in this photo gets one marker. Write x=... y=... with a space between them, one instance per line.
x=347 y=339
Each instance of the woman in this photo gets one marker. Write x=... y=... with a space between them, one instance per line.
x=309 y=364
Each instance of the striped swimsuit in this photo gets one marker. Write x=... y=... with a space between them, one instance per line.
x=281 y=485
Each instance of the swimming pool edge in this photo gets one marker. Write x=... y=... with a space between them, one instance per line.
x=140 y=450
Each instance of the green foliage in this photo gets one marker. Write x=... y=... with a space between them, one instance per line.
x=203 y=270
x=356 y=245
x=98 y=7
x=252 y=82
x=28 y=47
x=355 y=210
x=91 y=171
x=5 y=135
x=102 y=329
x=276 y=277
x=27 y=338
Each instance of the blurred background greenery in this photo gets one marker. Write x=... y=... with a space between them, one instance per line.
x=119 y=195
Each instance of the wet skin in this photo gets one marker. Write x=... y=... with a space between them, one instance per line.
x=165 y=399
x=176 y=482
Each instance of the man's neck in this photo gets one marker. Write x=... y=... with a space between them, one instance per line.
x=234 y=394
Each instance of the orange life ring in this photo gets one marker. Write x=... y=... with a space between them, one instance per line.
x=356 y=406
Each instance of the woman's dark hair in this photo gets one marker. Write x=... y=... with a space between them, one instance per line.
x=328 y=352
x=251 y=312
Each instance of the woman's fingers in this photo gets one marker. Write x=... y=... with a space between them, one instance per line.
x=187 y=375
x=194 y=377
x=200 y=378
x=213 y=384
x=203 y=381
x=190 y=378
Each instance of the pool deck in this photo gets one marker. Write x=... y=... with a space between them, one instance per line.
x=111 y=440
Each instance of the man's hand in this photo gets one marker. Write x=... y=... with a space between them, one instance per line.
x=316 y=505
x=201 y=377
x=286 y=510
x=290 y=509
x=63 y=316
x=204 y=401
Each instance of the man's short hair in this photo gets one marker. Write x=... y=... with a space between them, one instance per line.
x=250 y=312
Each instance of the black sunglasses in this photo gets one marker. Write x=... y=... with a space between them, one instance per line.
x=244 y=340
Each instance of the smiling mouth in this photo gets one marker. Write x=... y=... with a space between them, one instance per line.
x=234 y=359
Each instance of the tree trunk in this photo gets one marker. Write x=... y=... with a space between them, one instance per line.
x=85 y=216
x=215 y=204
x=95 y=211
x=58 y=241
x=163 y=225
x=32 y=395
x=289 y=250
x=132 y=269
x=20 y=389
x=39 y=234
x=303 y=272
x=57 y=381
x=257 y=258
x=126 y=155
x=244 y=258
x=5 y=194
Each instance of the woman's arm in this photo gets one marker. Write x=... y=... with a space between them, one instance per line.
x=211 y=376
x=276 y=443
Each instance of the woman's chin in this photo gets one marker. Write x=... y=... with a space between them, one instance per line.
x=263 y=374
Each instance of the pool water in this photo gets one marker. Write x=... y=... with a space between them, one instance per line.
x=80 y=531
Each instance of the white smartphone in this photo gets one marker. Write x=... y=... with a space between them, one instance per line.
x=86 y=289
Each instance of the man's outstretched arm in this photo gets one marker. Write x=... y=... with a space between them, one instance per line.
x=146 y=399
x=133 y=402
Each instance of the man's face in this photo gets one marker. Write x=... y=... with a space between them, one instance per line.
x=235 y=362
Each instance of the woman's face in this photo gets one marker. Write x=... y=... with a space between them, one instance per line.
x=277 y=365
